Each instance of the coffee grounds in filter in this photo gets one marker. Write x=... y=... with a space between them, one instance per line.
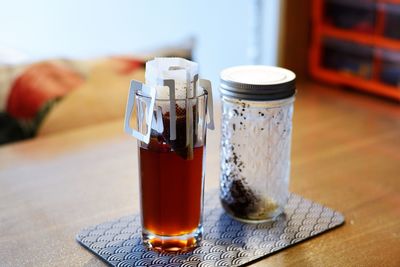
x=179 y=145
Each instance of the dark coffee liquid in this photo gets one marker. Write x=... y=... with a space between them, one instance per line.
x=171 y=188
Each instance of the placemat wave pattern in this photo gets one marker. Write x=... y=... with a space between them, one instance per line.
x=226 y=242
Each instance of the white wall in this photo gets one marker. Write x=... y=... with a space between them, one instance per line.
x=83 y=28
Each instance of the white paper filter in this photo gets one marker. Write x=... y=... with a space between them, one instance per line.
x=172 y=80
x=182 y=71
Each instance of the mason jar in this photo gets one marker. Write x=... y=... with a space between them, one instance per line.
x=257 y=110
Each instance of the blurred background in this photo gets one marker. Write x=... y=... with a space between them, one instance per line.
x=67 y=64
x=220 y=33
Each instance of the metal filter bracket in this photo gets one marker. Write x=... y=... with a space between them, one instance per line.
x=147 y=91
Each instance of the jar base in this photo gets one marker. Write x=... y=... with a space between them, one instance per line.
x=269 y=217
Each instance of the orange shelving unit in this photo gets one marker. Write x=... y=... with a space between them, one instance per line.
x=362 y=54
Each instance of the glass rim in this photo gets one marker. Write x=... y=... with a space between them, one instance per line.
x=204 y=93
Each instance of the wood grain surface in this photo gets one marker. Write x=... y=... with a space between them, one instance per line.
x=345 y=154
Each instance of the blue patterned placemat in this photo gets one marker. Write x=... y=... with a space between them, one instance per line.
x=226 y=242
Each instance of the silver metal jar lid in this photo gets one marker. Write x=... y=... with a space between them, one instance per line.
x=257 y=82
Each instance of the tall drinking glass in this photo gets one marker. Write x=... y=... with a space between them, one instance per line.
x=171 y=173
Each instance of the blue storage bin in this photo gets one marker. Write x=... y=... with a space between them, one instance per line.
x=355 y=15
x=347 y=57
x=392 y=21
x=390 y=68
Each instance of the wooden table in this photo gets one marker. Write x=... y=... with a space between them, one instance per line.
x=346 y=155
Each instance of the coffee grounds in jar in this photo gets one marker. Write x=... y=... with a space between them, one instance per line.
x=238 y=198
x=242 y=201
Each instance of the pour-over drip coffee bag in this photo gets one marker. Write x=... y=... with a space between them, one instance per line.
x=175 y=80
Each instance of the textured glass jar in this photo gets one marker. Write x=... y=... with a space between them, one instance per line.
x=255 y=142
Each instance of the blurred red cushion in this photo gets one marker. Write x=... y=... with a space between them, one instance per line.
x=38 y=84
